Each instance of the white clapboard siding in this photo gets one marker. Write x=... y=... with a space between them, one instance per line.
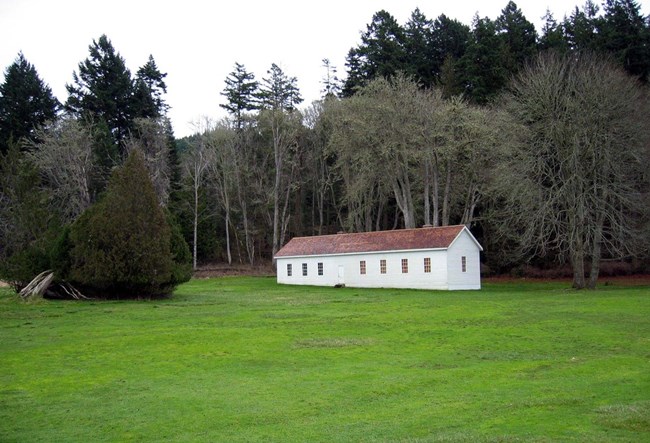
x=344 y=268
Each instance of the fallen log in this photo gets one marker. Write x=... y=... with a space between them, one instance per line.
x=37 y=287
x=71 y=291
x=42 y=284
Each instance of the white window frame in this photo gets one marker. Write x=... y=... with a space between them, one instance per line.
x=427 y=265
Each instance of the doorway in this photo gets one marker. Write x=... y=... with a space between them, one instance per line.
x=341 y=275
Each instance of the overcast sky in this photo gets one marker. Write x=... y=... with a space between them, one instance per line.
x=197 y=42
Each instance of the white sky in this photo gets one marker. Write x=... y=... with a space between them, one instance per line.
x=197 y=42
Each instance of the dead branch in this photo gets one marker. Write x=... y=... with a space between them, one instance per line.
x=37 y=287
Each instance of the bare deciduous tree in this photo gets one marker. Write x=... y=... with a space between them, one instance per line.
x=195 y=162
x=279 y=118
x=151 y=138
x=220 y=143
x=64 y=156
x=394 y=139
x=573 y=185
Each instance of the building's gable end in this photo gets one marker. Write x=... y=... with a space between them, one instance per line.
x=466 y=231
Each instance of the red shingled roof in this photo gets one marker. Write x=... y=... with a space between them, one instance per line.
x=397 y=240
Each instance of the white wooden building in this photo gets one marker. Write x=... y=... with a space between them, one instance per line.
x=445 y=257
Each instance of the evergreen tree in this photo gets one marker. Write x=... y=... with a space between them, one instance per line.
x=174 y=165
x=331 y=83
x=356 y=76
x=484 y=65
x=122 y=246
x=380 y=54
x=418 y=48
x=449 y=80
x=552 y=34
x=103 y=90
x=149 y=90
x=26 y=102
x=518 y=34
x=626 y=34
x=240 y=92
x=581 y=28
x=106 y=155
x=27 y=225
x=449 y=39
x=278 y=91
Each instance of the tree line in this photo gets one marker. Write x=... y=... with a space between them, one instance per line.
x=536 y=141
x=479 y=60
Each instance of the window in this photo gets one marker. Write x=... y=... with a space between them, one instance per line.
x=289 y=270
x=463 y=263
x=405 y=266
x=304 y=269
x=320 y=268
x=427 y=264
x=362 y=267
x=382 y=266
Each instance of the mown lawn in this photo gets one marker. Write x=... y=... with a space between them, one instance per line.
x=243 y=359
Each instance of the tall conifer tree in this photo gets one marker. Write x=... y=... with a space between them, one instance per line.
x=552 y=36
x=380 y=54
x=626 y=34
x=518 y=34
x=149 y=89
x=418 y=47
x=102 y=90
x=240 y=92
x=449 y=39
x=26 y=102
x=484 y=65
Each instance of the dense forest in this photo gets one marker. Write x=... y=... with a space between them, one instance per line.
x=536 y=141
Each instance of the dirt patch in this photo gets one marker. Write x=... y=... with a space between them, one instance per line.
x=626 y=280
x=620 y=280
x=224 y=270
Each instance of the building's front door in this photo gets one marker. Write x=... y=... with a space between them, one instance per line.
x=341 y=275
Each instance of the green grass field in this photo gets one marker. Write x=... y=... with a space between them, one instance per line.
x=243 y=359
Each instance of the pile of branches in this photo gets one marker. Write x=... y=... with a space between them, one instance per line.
x=42 y=286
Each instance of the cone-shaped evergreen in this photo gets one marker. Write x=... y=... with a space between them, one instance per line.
x=121 y=247
x=26 y=102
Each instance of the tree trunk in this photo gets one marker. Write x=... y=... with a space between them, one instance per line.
x=578 y=263
x=446 y=197
x=596 y=251
x=470 y=205
x=250 y=246
x=229 y=254
x=285 y=216
x=402 y=192
x=435 y=193
x=380 y=212
x=195 y=226
x=427 y=191
x=276 y=194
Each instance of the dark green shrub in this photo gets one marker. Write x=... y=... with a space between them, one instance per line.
x=28 y=226
x=123 y=246
x=181 y=255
